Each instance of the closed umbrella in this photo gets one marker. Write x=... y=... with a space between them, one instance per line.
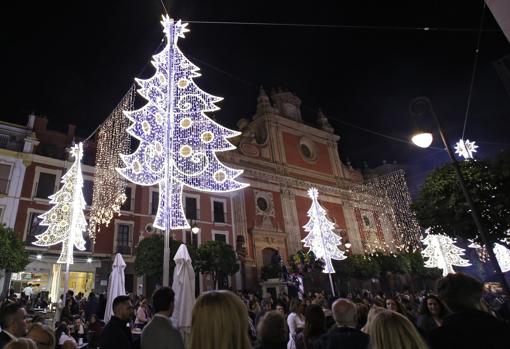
x=184 y=288
x=116 y=285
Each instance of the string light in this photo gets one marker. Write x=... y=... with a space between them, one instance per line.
x=389 y=199
x=321 y=238
x=178 y=142
x=109 y=186
x=465 y=148
x=481 y=252
x=66 y=221
x=442 y=253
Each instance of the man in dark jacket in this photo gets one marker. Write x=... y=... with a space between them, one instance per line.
x=468 y=326
x=116 y=333
x=92 y=306
x=344 y=335
x=13 y=323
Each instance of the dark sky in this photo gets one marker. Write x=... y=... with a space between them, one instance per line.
x=72 y=61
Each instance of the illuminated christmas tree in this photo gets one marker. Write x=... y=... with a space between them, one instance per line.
x=178 y=142
x=66 y=221
x=321 y=238
x=503 y=257
x=442 y=253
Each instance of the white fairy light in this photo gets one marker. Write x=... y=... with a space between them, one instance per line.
x=321 y=239
x=66 y=221
x=442 y=253
x=465 y=148
x=178 y=142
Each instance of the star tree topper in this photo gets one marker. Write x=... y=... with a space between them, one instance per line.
x=466 y=149
x=65 y=220
x=178 y=142
x=321 y=239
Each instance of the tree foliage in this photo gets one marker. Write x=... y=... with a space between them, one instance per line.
x=14 y=257
x=149 y=255
x=357 y=266
x=215 y=257
x=441 y=204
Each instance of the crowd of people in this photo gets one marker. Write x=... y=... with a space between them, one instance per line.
x=459 y=315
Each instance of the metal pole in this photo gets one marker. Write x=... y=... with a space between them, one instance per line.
x=474 y=211
x=166 y=258
x=332 y=287
x=66 y=285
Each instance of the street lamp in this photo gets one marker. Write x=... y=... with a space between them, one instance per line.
x=195 y=229
x=419 y=107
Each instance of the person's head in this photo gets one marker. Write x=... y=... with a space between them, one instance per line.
x=69 y=344
x=297 y=306
x=42 y=335
x=280 y=308
x=92 y=295
x=93 y=318
x=13 y=319
x=77 y=322
x=272 y=328
x=61 y=329
x=372 y=313
x=460 y=292
x=315 y=321
x=21 y=343
x=163 y=300
x=433 y=306
x=390 y=329
x=219 y=321
x=122 y=308
x=393 y=305
x=266 y=305
x=345 y=312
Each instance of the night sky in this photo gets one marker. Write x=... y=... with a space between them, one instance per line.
x=74 y=60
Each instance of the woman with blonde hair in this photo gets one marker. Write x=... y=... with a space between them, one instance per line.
x=219 y=321
x=390 y=330
x=372 y=313
x=21 y=343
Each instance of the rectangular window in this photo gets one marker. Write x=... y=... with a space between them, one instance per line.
x=123 y=245
x=191 y=239
x=219 y=212
x=34 y=228
x=220 y=237
x=5 y=172
x=191 y=208
x=88 y=187
x=45 y=185
x=154 y=203
x=126 y=206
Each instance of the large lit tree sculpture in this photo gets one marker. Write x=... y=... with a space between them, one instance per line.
x=65 y=220
x=321 y=238
x=178 y=142
x=442 y=253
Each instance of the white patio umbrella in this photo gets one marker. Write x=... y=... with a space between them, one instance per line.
x=184 y=288
x=116 y=285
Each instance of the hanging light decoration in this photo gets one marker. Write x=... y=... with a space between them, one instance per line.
x=109 y=186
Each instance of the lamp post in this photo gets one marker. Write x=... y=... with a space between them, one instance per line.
x=419 y=107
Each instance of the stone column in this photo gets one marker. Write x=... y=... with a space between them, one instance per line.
x=352 y=229
x=290 y=220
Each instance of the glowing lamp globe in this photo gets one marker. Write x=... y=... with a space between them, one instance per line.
x=195 y=229
x=422 y=140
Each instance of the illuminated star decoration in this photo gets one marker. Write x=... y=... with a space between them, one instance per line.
x=442 y=253
x=466 y=149
x=65 y=220
x=321 y=238
x=178 y=142
x=502 y=256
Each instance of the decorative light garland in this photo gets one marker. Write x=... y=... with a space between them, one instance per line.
x=66 y=221
x=481 y=252
x=442 y=253
x=109 y=185
x=465 y=148
x=178 y=142
x=321 y=238
x=502 y=256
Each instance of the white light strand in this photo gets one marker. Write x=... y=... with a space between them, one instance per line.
x=322 y=240
x=442 y=253
x=66 y=221
x=178 y=142
x=109 y=185
x=465 y=148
